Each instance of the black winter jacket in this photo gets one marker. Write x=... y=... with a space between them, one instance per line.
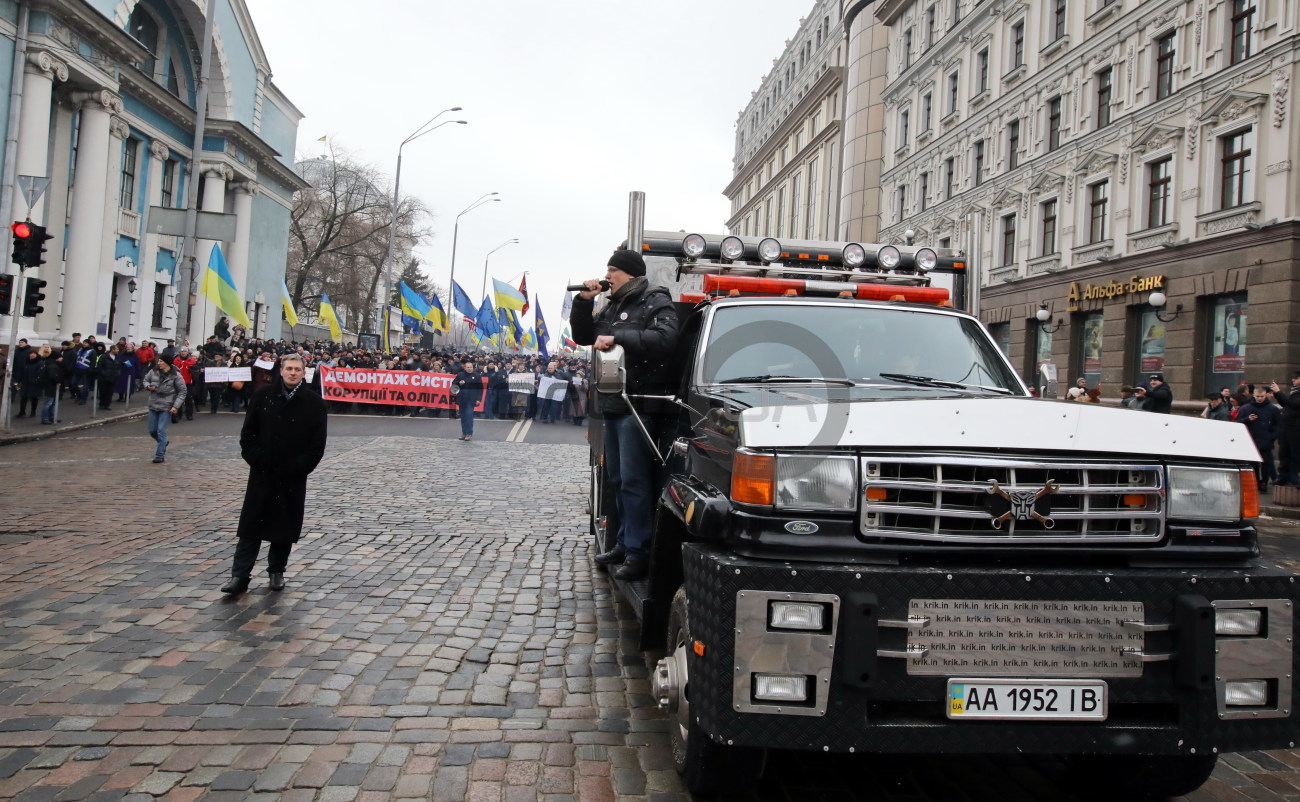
x=642 y=320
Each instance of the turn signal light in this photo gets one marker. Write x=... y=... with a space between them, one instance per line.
x=753 y=479
x=1249 y=495
x=877 y=494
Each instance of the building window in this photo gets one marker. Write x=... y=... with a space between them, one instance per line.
x=1058 y=19
x=1018 y=45
x=159 y=299
x=1164 y=66
x=1049 y=226
x=1008 y=240
x=1234 y=189
x=977 y=163
x=130 y=157
x=1158 y=186
x=953 y=81
x=955 y=13
x=811 y=226
x=1002 y=336
x=794 y=206
x=945 y=243
x=1013 y=144
x=1150 y=348
x=1225 y=365
x=904 y=120
x=169 y=182
x=949 y=168
x=924 y=189
x=1090 y=326
x=1243 y=17
x=144 y=28
x=929 y=27
x=1054 y=123
x=780 y=211
x=927 y=107
x=1098 y=201
x=1103 y=97
x=907 y=48
x=901 y=199
x=982 y=63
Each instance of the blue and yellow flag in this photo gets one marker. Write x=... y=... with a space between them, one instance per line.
x=486 y=321
x=437 y=315
x=286 y=300
x=414 y=308
x=508 y=297
x=543 y=336
x=461 y=303
x=220 y=288
x=331 y=317
x=529 y=341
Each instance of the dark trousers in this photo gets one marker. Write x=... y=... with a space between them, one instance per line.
x=277 y=557
x=467 y=419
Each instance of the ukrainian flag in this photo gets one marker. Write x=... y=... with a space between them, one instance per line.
x=286 y=300
x=509 y=297
x=219 y=287
x=437 y=315
x=414 y=308
x=331 y=317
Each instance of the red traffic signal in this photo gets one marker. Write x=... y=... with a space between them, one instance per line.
x=21 y=230
x=6 y=292
x=29 y=243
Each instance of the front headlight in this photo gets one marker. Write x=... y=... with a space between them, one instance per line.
x=1205 y=493
x=817 y=483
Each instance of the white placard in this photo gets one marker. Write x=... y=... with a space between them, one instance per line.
x=522 y=383
x=239 y=374
x=551 y=388
x=264 y=364
x=309 y=375
x=213 y=375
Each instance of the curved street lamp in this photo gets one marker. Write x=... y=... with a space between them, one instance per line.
x=428 y=127
x=483 y=200
x=514 y=241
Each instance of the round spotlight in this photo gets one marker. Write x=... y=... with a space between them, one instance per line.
x=926 y=260
x=693 y=246
x=854 y=255
x=732 y=248
x=769 y=250
x=888 y=257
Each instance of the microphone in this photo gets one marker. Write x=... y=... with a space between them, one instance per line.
x=604 y=287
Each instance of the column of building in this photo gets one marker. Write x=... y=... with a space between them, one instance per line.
x=245 y=191
x=112 y=301
x=86 y=235
x=205 y=314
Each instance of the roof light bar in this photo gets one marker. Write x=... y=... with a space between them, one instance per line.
x=753 y=285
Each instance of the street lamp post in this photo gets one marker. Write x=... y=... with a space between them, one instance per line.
x=483 y=199
x=514 y=241
x=381 y=321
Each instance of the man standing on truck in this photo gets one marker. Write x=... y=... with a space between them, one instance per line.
x=642 y=320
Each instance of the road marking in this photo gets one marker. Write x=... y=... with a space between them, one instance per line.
x=519 y=431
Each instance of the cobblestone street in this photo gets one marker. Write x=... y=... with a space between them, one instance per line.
x=443 y=636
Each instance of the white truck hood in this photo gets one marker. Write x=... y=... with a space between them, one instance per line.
x=1015 y=424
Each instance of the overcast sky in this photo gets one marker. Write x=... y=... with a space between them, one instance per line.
x=571 y=104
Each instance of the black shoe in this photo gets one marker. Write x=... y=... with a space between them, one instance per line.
x=277 y=582
x=635 y=568
x=612 y=557
x=21 y=415
x=235 y=585
x=158 y=459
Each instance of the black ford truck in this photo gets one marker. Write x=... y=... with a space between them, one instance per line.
x=870 y=538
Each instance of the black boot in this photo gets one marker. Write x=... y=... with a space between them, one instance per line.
x=612 y=557
x=633 y=569
x=236 y=584
x=277 y=582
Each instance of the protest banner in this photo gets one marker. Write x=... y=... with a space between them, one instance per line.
x=551 y=388
x=214 y=375
x=239 y=374
x=410 y=388
x=522 y=383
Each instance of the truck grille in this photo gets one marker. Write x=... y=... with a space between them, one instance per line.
x=959 y=498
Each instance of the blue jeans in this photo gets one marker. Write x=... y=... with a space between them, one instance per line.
x=630 y=469
x=158 y=422
x=47 y=410
x=466 y=420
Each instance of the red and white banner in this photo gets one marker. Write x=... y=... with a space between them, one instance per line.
x=410 y=388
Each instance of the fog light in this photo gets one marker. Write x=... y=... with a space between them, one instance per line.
x=794 y=615
x=781 y=687
x=1246 y=693
x=1237 y=622
x=732 y=248
x=693 y=246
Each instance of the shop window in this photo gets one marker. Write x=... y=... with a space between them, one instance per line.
x=1040 y=341
x=1002 y=336
x=1089 y=347
x=1225 y=363
x=1149 y=354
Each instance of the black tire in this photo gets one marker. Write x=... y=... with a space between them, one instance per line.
x=707 y=768
x=1141 y=777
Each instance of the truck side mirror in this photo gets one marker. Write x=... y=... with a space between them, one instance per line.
x=607 y=374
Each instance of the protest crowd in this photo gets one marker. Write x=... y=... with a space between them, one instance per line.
x=82 y=371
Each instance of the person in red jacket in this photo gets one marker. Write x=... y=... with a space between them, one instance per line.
x=145 y=356
x=183 y=362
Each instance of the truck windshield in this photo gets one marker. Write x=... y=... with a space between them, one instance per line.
x=869 y=345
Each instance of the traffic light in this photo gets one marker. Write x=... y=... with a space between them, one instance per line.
x=32 y=297
x=29 y=243
x=6 y=293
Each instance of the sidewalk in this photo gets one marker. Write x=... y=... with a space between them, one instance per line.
x=70 y=417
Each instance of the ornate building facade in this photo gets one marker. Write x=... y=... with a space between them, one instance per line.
x=108 y=116
x=1128 y=167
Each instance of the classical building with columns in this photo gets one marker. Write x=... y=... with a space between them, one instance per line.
x=108 y=115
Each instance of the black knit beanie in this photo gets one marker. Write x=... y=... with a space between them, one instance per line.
x=629 y=262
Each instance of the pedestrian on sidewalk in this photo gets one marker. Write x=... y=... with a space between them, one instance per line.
x=27 y=381
x=166 y=395
x=469 y=390
x=283 y=440
x=51 y=381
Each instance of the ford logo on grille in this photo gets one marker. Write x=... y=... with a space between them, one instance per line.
x=801 y=527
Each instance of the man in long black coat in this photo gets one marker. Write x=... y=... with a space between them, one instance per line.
x=283 y=440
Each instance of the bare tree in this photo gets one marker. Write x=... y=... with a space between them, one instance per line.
x=338 y=233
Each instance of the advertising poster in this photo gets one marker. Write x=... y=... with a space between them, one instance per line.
x=1228 y=349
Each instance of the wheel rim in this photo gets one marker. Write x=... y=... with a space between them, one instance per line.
x=679 y=704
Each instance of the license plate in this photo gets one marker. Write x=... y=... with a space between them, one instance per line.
x=1038 y=700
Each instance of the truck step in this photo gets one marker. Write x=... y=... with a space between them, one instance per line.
x=636 y=594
